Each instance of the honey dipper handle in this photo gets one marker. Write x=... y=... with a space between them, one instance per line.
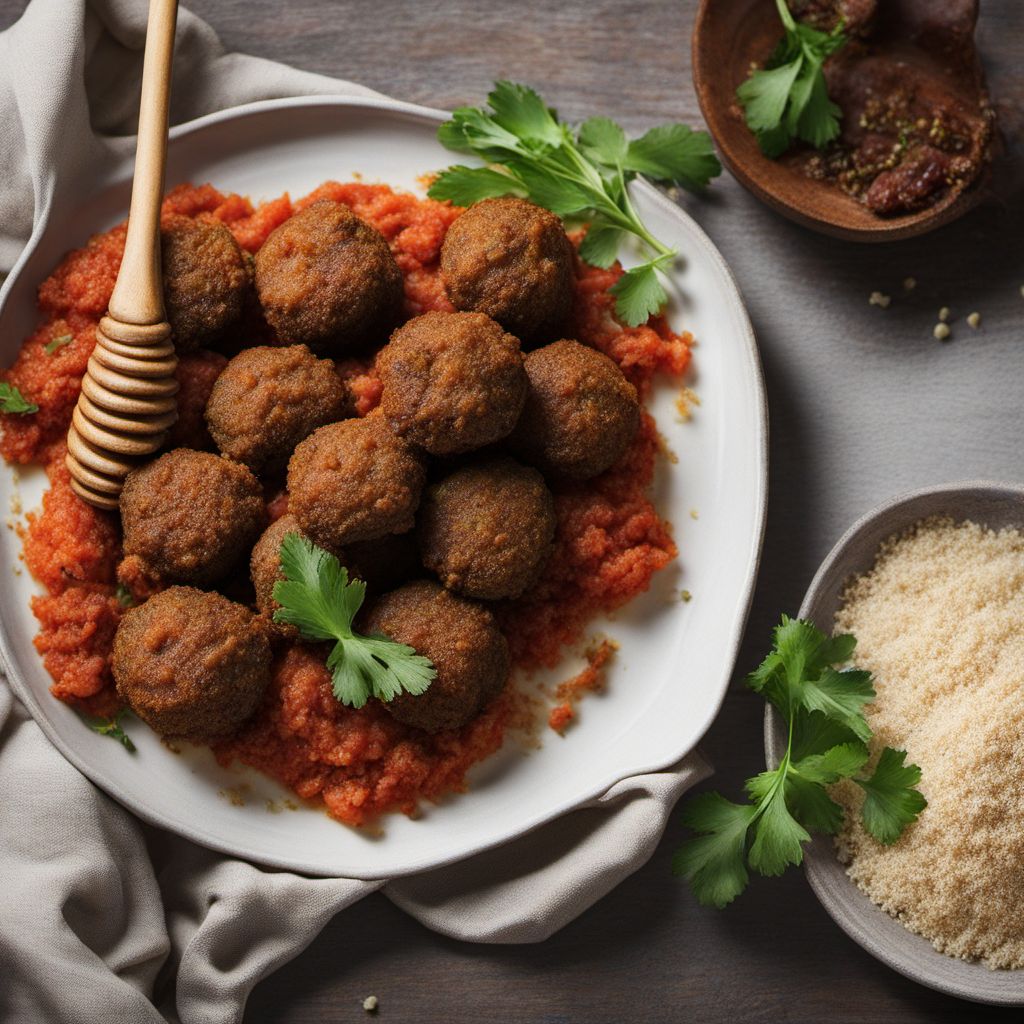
x=138 y=295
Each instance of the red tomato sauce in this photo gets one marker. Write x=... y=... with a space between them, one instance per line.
x=360 y=763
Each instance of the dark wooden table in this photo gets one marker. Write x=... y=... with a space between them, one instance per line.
x=648 y=952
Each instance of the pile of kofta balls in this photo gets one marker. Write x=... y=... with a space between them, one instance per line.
x=443 y=485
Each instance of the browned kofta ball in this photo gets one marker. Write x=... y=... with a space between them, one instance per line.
x=487 y=528
x=268 y=399
x=354 y=480
x=190 y=516
x=265 y=565
x=206 y=278
x=580 y=415
x=327 y=279
x=512 y=260
x=463 y=641
x=452 y=382
x=191 y=664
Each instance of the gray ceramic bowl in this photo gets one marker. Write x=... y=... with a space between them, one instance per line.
x=995 y=505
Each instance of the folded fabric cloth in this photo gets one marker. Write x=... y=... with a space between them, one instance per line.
x=103 y=918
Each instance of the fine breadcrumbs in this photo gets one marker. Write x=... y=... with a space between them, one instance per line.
x=939 y=622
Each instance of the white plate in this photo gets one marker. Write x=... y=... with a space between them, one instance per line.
x=668 y=680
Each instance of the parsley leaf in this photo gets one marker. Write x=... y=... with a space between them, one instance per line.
x=827 y=741
x=788 y=99
x=112 y=727
x=59 y=342
x=12 y=400
x=124 y=596
x=890 y=802
x=582 y=174
x=317 y=597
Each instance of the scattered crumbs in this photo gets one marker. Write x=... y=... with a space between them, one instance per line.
x=16 y=506
x=944 y=314
x=370 y=1004
x=974 y=319
x=664 y=450
x=290 y=805
x=686 y=596
x=909 y=284
x=235 y=795
x=941 y=331
x=590 y=680
x=686 y=401
x=879 y=299
x=694 y=514
x=170 y=745
x=272 y=806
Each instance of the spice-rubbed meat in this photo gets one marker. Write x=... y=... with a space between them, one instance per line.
x=513 y=261
x=580 y=414
x=353 y=481
x=327 y=279
x=190 y=517
x=268 y=399
x=205 y=280
x=487 y=528
x=192 y=665
x=452 y=382
x=463 y=641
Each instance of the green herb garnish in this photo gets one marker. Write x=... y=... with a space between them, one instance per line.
x=59 y=342
x=827 y=741
x=12 y=400
x=789 y=99
x=124 y=596
x=581 y=175
x=112 y=727
x=317 y=597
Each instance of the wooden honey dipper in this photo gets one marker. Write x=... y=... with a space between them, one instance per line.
x=128 y=394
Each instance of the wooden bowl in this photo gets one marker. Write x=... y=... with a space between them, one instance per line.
x=727 y=36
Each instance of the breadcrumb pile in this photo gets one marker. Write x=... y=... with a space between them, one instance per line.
x=939 y=622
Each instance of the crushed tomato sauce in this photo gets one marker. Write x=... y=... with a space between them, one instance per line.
x=359 y=763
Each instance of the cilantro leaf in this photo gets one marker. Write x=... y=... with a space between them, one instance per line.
x=603 y=141
x=317 y=597
x=464 y=186
x=582 y=174
x=600 y=246
x=112 y=727
x=828 y=734
x=714 y=863
x=59 y=342
x=788 y=98
x=890 y=802
x=778 y=836
x=674 y=154
x=13 y=401
x=639 y=294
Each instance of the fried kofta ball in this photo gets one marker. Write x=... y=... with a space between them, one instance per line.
x=191 y=664
x=268 y=399
x=451 y=382
x=327 y=279
x=265 y=566
x=463 y=641
x=354 y=480
x=512 y=260
x=190 y=516
x=581 y=413
x=487 y=529
x=206 y=278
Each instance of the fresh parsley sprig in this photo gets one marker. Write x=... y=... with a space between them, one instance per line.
x=581 y=175
x=112 y=727
x=788 y=99
x=317 y=597
x=827 y=741
x=12 y=400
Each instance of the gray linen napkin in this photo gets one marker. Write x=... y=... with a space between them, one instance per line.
x=101 y=917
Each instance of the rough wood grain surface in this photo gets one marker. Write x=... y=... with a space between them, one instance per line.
x=864 y=403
